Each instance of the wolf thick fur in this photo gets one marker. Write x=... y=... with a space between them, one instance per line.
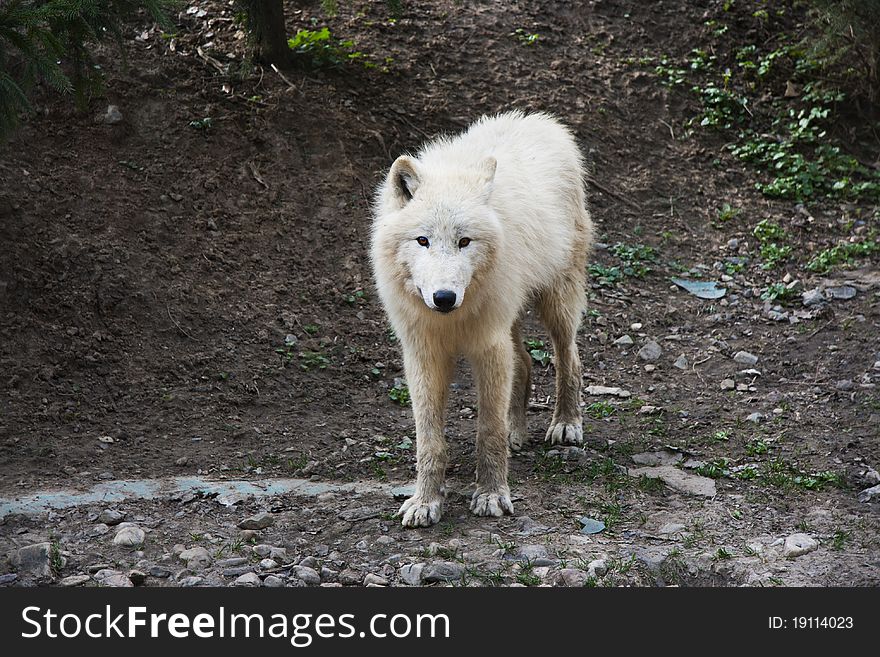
x=466 y=234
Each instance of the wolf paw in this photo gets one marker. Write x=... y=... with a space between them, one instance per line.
x=516 y=439
x=561 y=433
x=418 y=512
x=491 y=504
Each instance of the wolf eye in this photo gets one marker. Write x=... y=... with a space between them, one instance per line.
x=463 y=242
x=423 y=241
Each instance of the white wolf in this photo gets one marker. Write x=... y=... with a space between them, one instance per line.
x=466 y=234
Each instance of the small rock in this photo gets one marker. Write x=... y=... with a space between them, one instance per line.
x=350 y=577
x=257 y=522
x=869 y=494
x=111 y=517
x=309 y=575
x=129 y=536
x=591 y=525
x=573 y=577
x=651 y=351
x=196 y=557
x=728 y=384
x=159 y=572
x=754 y=417
x=679 y=480
x=597 y=568
x=657 y=458
x=812 y=297
x=191 y=580
x=268 y=564
x=34 y=559
x=111 y=117
x=137 y=577
x=231 y=562
x=745 y=358
x=385 y=539
x=843 y=292
x=113 y=578
x=375 y=580
x=671 y=528
x=248 y=579
x=273 y=582
x=605 y=390
x=624 y=341
x=845 y=386
x=443 y=571
x=262 y=550
x=798 y=544
x=411 y=573
x=74 y=580
x=681 y=362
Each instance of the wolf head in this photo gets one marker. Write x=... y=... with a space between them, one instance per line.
x=436 y=229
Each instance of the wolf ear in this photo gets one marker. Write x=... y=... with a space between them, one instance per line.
x=405 y=179
x=486 y=172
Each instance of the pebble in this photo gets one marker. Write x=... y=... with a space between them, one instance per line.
x=573 y=577
x=597 y=568
x=34 y=559
x=235 y=571
x=309 y=575
x=681 y=362
x=375 y=580
x=869 y=494
x=231 y=562
x=798 y=544
x=191 y=580
x=411 y=573
x=443 y=571
x=111 y=117
x=754 y=417
x=137 y=577
x=111 y=517
x=161 y=573
x=8 y=578
x=845 y=386
x=651 y=351
x=273 y=582
x=113 y=578
x=129 y=536
x=745 y=358
x=728 y=384
x=259 y=521
x=350 y=577
x=624 y=341
x=268 y=564
x=196 y=557
x=248 y=579
x=74 y=580
x=812 y=297
x=843 y=292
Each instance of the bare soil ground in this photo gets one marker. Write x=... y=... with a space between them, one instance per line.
x=190 y=297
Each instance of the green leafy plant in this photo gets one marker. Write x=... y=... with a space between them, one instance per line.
x=524 y=37
x=538 y=351
x=400 y=393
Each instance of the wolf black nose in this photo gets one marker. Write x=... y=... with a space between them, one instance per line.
x=444 y=300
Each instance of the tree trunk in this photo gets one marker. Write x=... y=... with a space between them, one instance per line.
x=268 y=33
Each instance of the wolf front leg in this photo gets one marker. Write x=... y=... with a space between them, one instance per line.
x=428 y=374
x=493 y=367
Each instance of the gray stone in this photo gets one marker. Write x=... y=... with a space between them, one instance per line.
x=74 y=580
x=745 y=358
x=869 y=493
x=411 y=573
x=350 y=577
x=597 y=568
x=111 y=517
x=160 y=572
x=671 y=528
x=375 y=580
x=657 y=458
x=651 y=351
x=248 y=579
x=573 y=577
x=191 y=580
x=257 y=522
x=679 y=480
x=798 y=544
x=842 y=292
x=129 y=536
x=35 y=559
x=845 y=385
x=113 y=578
x=606 y=390
x=268 y=564
x=111 y=117
x=263 y=551
x=232 y=562
x=196 y=557
x=681 y=362
x=443 y=571
x=235 y=571
x=728 y=384
x=754 y=417
x=8 y=578
x=812 y=297
x=624 y=341
x=309 y=575
x=273 y=582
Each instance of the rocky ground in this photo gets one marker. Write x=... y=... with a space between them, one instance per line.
x=184 y=291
